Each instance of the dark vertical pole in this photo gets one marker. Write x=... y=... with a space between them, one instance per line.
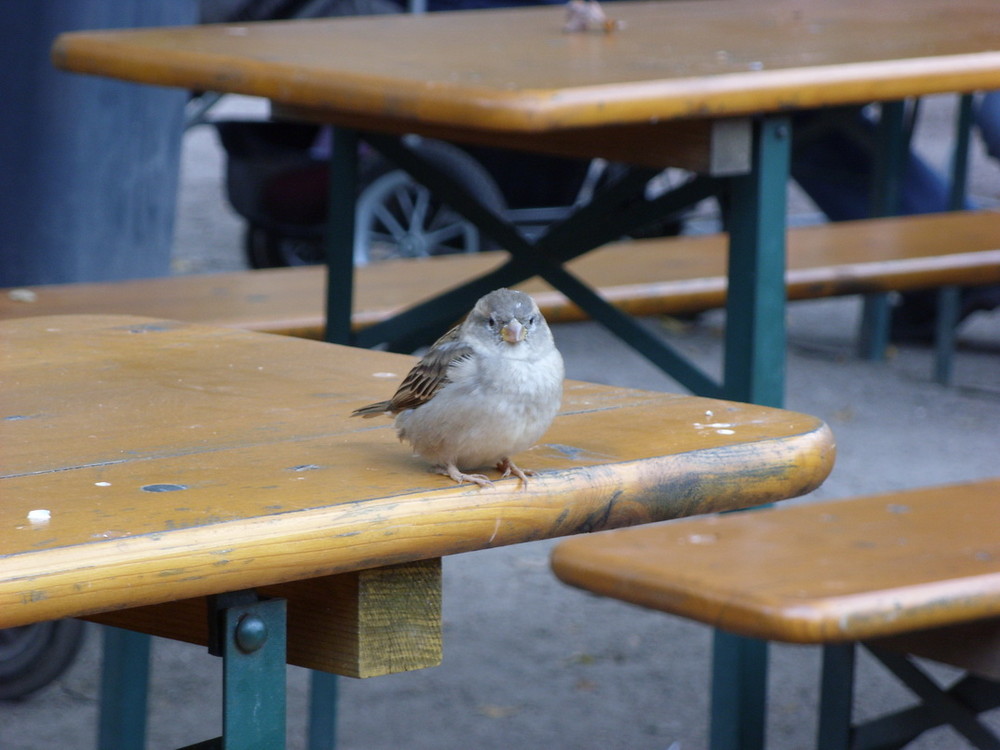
x=323 y=690
x=124 y=688
x=836 y=696
x=755 y=308
x=890 y=164
x=340 y=236
x=754 y=372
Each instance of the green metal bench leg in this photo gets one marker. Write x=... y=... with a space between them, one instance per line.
x=902 y=727
x=949 y=297
x=949 y=308
x=124 y=687
x=891 y=151
x=836 y=697
x=323 y=711
x=876 y=320
x=739 y=692
x=946 y=707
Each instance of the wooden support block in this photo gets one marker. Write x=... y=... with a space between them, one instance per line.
x=370 y=622
x=361 y=624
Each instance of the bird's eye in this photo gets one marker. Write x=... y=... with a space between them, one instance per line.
x=492 y=322
x=531 y=320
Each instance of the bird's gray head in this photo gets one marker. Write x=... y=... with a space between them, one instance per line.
x=509 y=316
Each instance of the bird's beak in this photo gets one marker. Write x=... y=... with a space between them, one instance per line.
x=513 y=332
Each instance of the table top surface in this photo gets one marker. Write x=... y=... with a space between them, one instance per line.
x=517 y=70
x=851 y=569
x=179 y=460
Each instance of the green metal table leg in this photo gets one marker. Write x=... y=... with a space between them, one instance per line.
x=754 y=371
x=755 y=308
x=124 y=686
x=252 y=636
x=339 y=237
x=323 y=711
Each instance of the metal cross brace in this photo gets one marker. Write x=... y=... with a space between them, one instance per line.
x=613 y=213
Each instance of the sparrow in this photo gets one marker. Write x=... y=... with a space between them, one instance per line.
x=486 y=390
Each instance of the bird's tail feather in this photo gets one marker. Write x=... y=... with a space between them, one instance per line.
x=372 y=410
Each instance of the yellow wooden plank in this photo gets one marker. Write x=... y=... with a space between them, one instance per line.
x=810 y=573
x=671 y=275
x=517 y=70
x=273 y=482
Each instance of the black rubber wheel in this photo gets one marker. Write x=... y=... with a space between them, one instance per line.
x=266 y=248
x=34 y=655
x=407 y=221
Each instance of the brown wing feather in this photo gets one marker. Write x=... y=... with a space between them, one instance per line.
x=426 y=378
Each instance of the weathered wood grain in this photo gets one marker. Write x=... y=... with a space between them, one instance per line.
x=671 y=275
x=268 y=479
x=847 y=570
x=515 y=70
x=360 y=624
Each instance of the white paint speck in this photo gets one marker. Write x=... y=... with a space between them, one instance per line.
x=702 y=538
x=723 y=428
x=39 y=517
x=102 y=484
x=384 y=375
x=22 y=295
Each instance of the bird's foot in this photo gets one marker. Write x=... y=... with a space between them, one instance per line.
x=452 y=471
x=508 y=467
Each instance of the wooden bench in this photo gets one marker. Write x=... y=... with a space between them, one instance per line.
x=671 y=276
x=915 y=572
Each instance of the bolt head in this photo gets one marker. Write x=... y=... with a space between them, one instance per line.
x=251 y=634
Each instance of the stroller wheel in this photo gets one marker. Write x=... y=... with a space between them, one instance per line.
x=32 y=656
x=398 y=217
x=266 y=248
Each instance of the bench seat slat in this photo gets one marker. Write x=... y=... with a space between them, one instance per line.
x=643 y=277
x=813 y=572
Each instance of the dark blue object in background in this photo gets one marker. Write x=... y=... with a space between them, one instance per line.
x=88 y=166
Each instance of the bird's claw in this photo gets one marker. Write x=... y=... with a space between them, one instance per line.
x=452 y=471
x=508 y=467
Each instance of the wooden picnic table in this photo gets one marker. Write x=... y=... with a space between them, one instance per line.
x=154 y=470
x=703 y=86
